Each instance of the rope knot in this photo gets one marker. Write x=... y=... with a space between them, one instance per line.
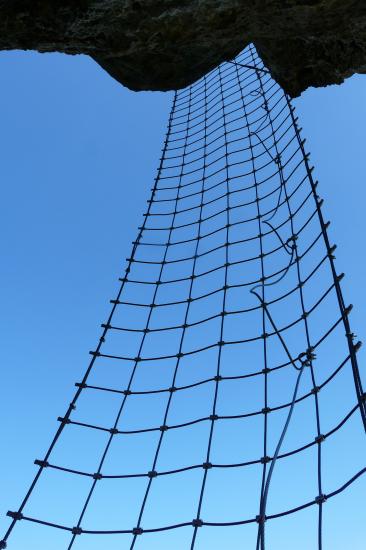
x=260 y=519
x=320 y=499
x=15 y=515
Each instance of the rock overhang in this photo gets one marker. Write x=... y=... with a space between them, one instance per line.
x=166 y=44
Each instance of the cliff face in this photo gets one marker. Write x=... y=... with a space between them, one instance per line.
x=166 y=44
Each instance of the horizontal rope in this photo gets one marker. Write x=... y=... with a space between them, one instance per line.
x=313 y=502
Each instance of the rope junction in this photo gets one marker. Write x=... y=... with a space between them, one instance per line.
x=228 y=341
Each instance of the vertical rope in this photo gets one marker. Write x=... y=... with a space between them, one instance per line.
x=221 y=342
x=352 y=346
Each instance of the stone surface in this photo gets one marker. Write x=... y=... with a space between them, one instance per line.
x=166 y=44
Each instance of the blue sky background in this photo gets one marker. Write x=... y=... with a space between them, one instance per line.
x=78 y=157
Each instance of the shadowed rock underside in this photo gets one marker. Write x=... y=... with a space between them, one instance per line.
x=166 y=44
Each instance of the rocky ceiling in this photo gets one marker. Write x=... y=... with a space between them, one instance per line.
x=168 y=44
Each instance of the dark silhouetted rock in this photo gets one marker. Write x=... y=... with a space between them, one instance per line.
x=166 y=44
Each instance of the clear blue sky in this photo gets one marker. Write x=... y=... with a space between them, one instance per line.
x=78 y=154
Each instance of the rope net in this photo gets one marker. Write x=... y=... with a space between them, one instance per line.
x=222 y=406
